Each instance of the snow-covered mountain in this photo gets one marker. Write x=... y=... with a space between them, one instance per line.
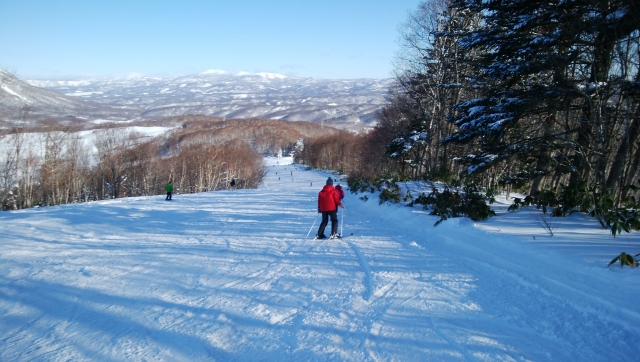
x=242 y=95
x=18 y=97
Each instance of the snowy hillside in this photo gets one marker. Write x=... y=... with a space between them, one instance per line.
x=232 y=275
x=243 y=95
x=35 y=143
x=17 y=96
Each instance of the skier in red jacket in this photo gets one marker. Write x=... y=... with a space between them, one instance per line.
x=328 y=202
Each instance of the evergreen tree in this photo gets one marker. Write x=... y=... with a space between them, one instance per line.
x=557 y=82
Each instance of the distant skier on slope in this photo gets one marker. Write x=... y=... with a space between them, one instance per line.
x=169 y=189
x=328 y=202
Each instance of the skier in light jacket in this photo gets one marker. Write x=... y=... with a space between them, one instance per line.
x=328 y=202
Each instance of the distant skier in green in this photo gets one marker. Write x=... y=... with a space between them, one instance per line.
x=169 y=189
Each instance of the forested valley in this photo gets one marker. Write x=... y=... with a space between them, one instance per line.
x=57 y=163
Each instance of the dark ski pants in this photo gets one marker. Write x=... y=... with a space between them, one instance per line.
x=325 y=220
x=168 y=196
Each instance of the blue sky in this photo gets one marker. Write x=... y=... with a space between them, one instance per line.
x=336 y=39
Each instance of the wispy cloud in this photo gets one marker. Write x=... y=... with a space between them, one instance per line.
x=292 y=69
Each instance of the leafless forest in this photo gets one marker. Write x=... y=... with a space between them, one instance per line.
x=53 y=163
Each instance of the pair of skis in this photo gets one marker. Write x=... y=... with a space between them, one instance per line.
x=333 y=237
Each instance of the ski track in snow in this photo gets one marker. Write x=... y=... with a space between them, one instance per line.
x=231 y=275
x=367 y=283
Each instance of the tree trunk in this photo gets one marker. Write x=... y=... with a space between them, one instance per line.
x=631 y=137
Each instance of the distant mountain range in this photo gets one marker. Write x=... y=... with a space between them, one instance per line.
x=214 y=93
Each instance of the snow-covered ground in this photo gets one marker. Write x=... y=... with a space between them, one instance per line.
x=35 y=142
x=231 y=275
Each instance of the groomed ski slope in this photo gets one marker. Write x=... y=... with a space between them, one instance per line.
x=230 y=276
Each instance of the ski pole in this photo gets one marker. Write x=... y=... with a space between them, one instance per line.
x=342 y=222
x=314 y=224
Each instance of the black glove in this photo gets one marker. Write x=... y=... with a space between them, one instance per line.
x=319 y=211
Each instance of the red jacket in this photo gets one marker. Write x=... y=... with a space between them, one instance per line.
x=328 y=199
